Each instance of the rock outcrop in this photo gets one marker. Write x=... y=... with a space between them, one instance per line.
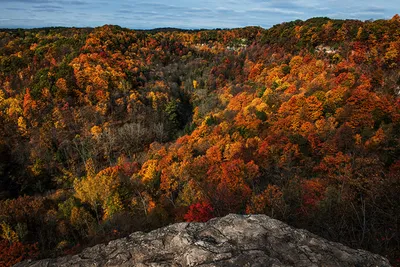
x=234 y=240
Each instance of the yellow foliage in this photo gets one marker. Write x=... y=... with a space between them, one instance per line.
x=37 y=167
x=158 y=99
x=1 y=98
x=134 y=96
x=392 y=54
x=377 y=139
x=62 y=245
x=113 y=206
x=191 y=193
x=359 y=32
x=97 y=189
x=14 y=107
x=33 y=47
x=295 y=62
x=306 y=128
x=314 y=108
x=320 y=64
x=8 y=233
x=225 y=126
x=326 y=125
x=335 y=96
x=22 y=125
x=149 y=171
x=102 y=108
x=62 y=84
x=90 y=169
x=96 y=130
x=233 y=150
x=259 y=105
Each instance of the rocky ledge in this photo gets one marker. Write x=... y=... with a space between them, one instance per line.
x=234 y=240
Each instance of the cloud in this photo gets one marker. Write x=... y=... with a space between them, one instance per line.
x=374 y=9
x=76 y=3
x=276 y=11
x=198 y=10
x=65 y=2
x=280 y=4
x=26 y=1
x=47 y=8
x=15 y=8
x=362 y=14
x=285 y=4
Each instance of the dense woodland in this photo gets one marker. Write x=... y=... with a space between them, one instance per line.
x=107 y=131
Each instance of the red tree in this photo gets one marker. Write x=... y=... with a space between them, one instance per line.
x=199 y=212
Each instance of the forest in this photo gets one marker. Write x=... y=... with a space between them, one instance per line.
x=106 y=131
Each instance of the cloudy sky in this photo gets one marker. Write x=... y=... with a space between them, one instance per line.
x=188 y=14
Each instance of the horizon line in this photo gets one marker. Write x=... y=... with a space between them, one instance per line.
x=182 y=29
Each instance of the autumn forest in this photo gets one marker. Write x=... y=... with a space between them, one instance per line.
x=106 y=131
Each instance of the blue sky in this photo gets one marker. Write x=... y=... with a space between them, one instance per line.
x=188 y=14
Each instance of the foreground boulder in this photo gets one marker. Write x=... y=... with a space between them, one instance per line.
x=234 y=240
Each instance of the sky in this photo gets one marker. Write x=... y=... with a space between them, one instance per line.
x=185 y=14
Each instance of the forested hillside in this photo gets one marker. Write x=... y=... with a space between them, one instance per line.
x=107 y=131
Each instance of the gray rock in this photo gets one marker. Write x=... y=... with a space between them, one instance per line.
x=234 y=240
